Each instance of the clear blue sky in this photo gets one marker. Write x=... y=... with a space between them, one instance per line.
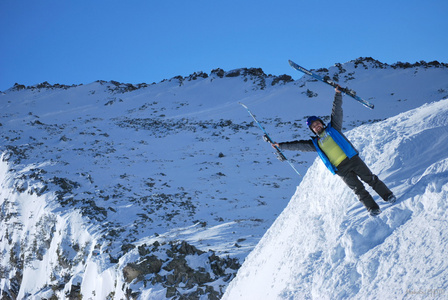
x=80 y=41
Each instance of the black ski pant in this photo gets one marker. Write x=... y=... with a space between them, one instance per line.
x=354 y=169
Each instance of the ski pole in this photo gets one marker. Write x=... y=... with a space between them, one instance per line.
x=267 y=138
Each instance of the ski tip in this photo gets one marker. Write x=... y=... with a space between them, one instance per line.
x=295 y=66
x=242 y=104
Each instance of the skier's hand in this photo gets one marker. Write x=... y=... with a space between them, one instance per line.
x=338 y=89
x=275 y=145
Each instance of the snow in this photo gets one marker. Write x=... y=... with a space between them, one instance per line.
x=92 y=174
x=324 y=245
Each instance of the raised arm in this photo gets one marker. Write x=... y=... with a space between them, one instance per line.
x=337 y=112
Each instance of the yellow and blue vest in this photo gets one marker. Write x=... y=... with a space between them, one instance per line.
x=336 y=145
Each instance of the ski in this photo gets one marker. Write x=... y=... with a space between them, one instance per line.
x=347 y=91
x=268 y=139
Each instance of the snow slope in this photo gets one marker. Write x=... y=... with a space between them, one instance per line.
x=324 y=246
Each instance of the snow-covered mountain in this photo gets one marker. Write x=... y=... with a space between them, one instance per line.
x=153 y=191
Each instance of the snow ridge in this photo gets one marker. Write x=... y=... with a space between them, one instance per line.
x=325 y=246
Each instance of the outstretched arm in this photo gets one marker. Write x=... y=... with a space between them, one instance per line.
x=302 y=145
x=337 y=112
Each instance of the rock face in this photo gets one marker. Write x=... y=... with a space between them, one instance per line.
x=184 y=269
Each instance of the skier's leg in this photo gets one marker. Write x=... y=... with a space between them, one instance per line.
x=363 y=171
x=358 y=188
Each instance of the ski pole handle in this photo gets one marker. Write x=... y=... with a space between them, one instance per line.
x=268 y=139
x=280 y=155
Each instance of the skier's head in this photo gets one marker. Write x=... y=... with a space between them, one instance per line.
x=315 y=124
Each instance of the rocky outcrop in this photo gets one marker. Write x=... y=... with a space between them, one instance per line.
x=186 y=272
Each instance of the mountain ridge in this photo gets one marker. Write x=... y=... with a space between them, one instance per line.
x=254 y=72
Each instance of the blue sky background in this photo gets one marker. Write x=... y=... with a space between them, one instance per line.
x=73 y=42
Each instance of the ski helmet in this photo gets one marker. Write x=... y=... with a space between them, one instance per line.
x=311 y=119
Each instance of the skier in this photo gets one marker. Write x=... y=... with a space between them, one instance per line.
x=340 y=157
